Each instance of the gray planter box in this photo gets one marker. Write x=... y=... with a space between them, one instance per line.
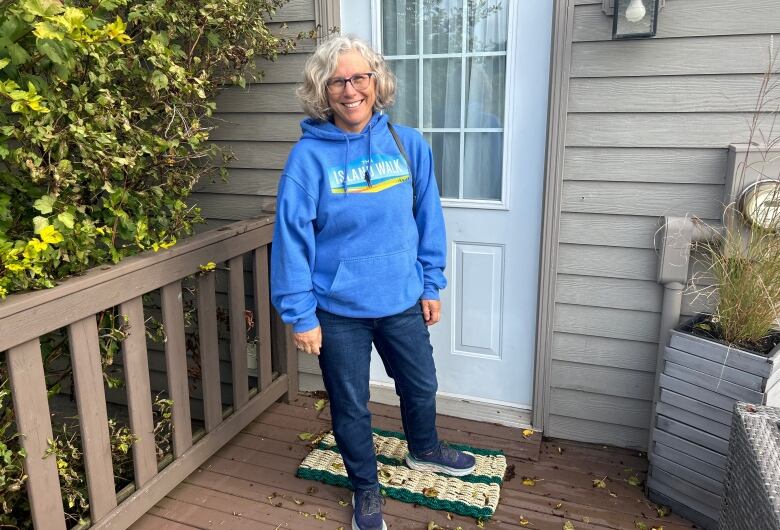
x=700 y=383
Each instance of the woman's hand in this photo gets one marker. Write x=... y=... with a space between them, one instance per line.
x=309 y=341
x=431 y=311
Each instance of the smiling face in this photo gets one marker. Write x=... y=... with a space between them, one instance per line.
x=352 y=109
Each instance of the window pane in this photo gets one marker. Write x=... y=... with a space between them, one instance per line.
x=405 y=110
x=482 y=166
x=399 y=27
x=443 y=26
x=487 y=25
x=446 y=161
x=485 y=80
x=441 y=93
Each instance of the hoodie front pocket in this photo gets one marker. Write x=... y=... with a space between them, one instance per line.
x=377 y=281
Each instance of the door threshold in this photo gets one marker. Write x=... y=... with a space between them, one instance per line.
x=462 y=407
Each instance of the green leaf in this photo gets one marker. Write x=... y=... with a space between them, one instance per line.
x=42 y=8
x=4 y=63
x=159 y=80
x=39 y=223
x=45 y=204
x=66 y=219
x=54 y=51
x=44 y=30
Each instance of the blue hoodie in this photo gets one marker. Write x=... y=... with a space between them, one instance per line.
x=356 y=247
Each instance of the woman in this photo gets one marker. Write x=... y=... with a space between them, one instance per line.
x=358 y=258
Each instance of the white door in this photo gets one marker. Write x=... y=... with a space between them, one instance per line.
x=478 y=92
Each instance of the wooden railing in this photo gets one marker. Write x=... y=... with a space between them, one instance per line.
x=74 y=304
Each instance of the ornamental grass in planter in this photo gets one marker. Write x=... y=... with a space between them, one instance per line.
x=729 y=354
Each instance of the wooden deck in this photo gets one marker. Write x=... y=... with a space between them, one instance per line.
x=250 y=483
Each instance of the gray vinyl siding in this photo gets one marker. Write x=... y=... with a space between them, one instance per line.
x=259 y=124
x=647 y=129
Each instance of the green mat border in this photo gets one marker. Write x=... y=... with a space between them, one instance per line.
x=457 y=507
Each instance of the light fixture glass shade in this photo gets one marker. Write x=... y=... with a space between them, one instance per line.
x=634 y=19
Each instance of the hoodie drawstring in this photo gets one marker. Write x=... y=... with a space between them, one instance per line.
x=368 y=169
x=346 y=163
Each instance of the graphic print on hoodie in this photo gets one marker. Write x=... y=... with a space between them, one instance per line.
x=356 y=246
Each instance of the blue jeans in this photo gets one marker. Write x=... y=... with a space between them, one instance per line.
x=404 y=346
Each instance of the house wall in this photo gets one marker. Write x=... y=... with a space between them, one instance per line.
x=647 y=126
x=259 y=124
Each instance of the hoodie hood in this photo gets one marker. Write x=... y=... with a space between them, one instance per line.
x=327 y=130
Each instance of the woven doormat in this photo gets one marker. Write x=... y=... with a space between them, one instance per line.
x=475 y=495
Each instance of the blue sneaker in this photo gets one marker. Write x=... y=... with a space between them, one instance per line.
x=367 y=506
x=443 y=459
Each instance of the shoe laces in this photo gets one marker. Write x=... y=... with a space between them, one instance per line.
x=372 y=502
x=447 y=453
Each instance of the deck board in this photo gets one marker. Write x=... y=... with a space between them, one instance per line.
x=251 y=482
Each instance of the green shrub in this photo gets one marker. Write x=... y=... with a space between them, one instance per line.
x=103 y=106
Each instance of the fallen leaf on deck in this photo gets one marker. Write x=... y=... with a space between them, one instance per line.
x=633 y=480
x=385 y=473
x=558 y=506
x=530 y=481
x=319 y=405
x=480 y=523
x=305 y=435
x=586 y=520
x=297 y=501
x=568 y=525
x=523 y=521
x=340 y=528
x=663 y=511
x=320 y=516
x=433 y=526
x=311 y=490
x=527 y=433
x=560 y=450
x=640 y=525
x=343 y=503
x=657 y=528
x=430 y=492
x=613 y=494
x=600 y=483
x=449 y=516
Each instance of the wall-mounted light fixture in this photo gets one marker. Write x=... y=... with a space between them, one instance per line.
x=633 y=19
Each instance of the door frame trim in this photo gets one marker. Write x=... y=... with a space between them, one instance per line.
x=560 y=66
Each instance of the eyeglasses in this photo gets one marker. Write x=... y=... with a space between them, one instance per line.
x=336 y=85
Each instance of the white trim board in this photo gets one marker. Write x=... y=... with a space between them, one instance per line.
x=462 y=407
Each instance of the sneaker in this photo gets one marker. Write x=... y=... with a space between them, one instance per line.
x=443 y=459
x=367 y=506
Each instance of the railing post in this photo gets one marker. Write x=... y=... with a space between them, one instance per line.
x=263 y=317
x=176 y=366
x=284 y=353
x=209 y=350
x=238 y=358
x=31 y=407
x=93 y=417
x=139 y=403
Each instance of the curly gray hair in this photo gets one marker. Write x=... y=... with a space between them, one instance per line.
x=323 y=62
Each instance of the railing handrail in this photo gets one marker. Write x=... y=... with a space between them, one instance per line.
x=36 y=313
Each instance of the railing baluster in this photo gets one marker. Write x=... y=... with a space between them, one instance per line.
x=93 y=418
x=176 y=366
x=263 y=316
x=31 y=408
x=238 y=359
x=209 y=350
x=285 y=353
x=138 y=391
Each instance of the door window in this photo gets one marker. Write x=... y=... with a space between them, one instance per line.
x=450 y=58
